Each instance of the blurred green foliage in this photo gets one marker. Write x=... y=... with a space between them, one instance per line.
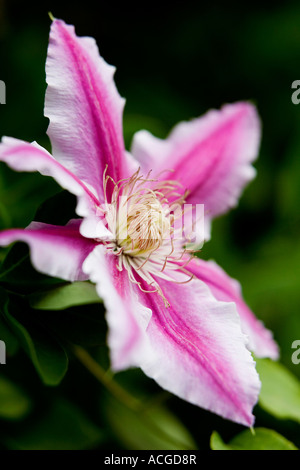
x=172 y=64
x=261 y=439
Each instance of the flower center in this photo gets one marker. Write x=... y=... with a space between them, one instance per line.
x=148 y=240
x=143 y=225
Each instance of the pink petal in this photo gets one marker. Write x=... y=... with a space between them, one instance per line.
x=56 y=251
x=211 y=156
x=198 y=351
x=126 y=317
x=84 y=108
x=228 y=290
x=22 y=156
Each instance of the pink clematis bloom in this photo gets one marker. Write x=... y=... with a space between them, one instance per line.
x=182 y=320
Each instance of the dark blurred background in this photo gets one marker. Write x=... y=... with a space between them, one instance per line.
x=174 y=61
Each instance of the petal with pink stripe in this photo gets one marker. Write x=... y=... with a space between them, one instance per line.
x=23 y=156
x=84 y=108
x=210 y=156
x=198 y=352
x=226 y=289
x=127 y=318
x=56 y=251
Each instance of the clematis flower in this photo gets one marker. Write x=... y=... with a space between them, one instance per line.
x=182 y=320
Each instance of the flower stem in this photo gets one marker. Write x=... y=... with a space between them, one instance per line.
x=123 y=396
x=102 y=376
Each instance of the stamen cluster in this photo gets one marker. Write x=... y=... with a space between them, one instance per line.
x=143 y=221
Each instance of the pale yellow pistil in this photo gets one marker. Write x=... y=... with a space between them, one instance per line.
x=144 y=228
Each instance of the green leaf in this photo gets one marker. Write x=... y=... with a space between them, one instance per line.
x=78 y=325
x=280 y=392
x=216 y=442
x=47 y=355
x=6 y=335
x=18 y=275
x=61 y=298
x=16 y=270
x=58 y=209
x=20 y=196
x=261 y=439
x=14 y=404
x=62 y=427
x=156 y=428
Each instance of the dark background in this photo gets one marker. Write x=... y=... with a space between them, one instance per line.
x=174 y=61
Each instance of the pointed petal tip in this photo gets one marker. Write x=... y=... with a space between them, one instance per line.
x=227 y=289
x=76 y=72
x=56 y=251
x=247 y=111
x=201 y=356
